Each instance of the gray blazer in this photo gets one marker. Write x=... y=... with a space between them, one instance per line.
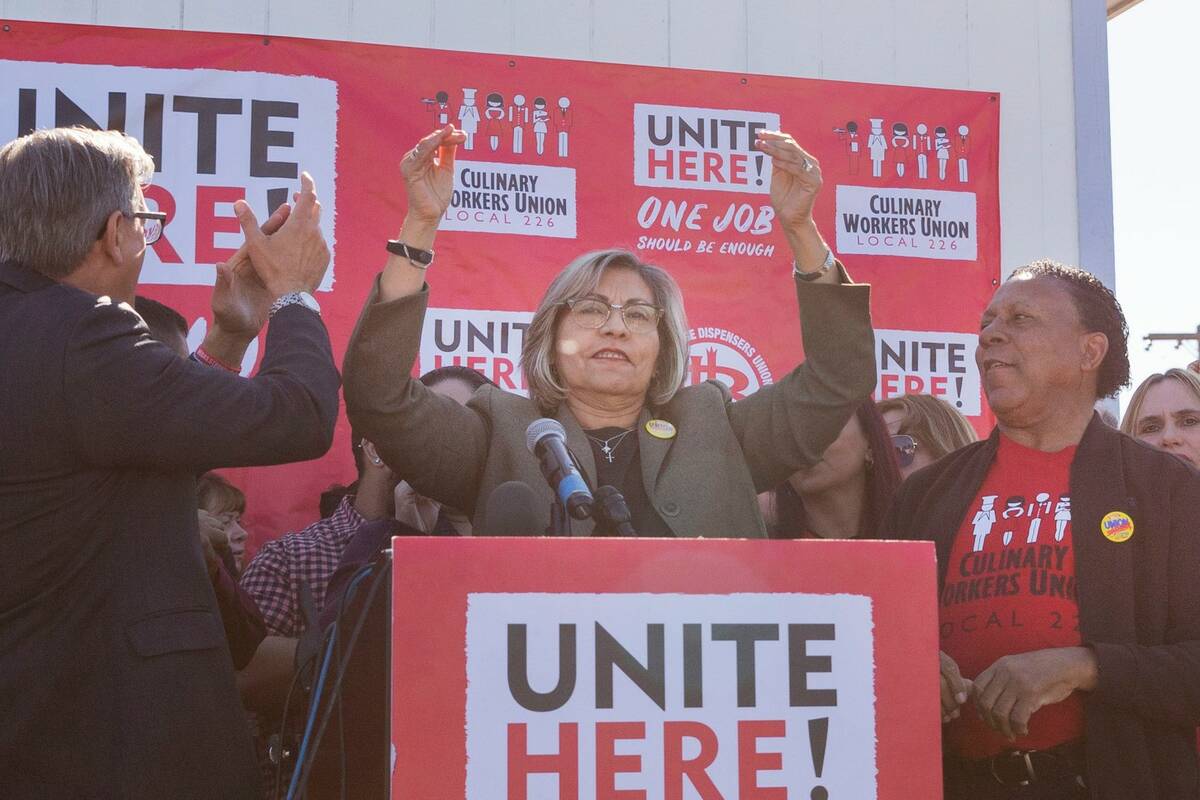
x=703 y=482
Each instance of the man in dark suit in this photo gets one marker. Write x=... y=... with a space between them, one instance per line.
x=114 y=670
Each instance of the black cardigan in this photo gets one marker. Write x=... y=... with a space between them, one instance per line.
x=1139 y=601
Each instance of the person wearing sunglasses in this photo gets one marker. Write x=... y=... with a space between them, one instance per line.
x=606 y=355
x=923 y=429
x=846 y=494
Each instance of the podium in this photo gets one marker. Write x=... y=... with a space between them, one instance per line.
x=651 y=669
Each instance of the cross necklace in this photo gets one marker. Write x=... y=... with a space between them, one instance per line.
x=609 y=445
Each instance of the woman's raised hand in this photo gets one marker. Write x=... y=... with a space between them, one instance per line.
x=795 y=177
x=795 y=184
x=428 y=171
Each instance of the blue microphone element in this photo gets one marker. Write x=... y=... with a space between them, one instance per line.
x=547 y=440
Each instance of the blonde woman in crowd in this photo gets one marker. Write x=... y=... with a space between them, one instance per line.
x=1164 y=412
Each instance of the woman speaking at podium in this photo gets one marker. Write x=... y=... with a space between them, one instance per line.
x=605 y=356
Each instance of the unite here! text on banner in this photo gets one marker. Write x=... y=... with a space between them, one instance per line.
x=582 y=695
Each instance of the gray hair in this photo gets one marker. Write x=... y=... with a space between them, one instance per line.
x=579 y=278
x=57 y=189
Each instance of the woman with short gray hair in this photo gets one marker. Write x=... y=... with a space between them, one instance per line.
x=605 y=357
x=579 y=279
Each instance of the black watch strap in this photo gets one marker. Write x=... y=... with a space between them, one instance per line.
x=419 y=258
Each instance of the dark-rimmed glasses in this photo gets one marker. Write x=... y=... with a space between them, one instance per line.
x=592 y=313
x=906 y=448
x=153 y=223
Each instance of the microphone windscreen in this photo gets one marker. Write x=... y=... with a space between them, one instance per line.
x=541 y=428
x=512 y=510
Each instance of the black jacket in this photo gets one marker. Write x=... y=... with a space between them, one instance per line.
x=1139 y=601
x=115 y=677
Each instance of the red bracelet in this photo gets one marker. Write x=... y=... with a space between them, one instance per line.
x=205 y=357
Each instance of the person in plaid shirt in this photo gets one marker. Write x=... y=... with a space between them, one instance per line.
x=273 y=578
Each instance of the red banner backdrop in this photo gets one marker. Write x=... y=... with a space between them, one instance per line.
x=564 y=157
x=664 y=670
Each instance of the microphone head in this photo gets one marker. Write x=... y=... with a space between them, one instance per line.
x=511 y=510
x=541 y=428
x=612 y=504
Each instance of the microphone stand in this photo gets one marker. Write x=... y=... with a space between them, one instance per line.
x=560 y=521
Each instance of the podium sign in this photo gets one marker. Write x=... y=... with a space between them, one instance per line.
x=616 y=669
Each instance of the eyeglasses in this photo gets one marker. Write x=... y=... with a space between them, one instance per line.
x=153 y=223
x=592 y=313
x=906 y=448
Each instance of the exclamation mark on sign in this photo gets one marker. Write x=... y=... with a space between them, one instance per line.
x=758 y=167
x=818 y=735
x=958 y=384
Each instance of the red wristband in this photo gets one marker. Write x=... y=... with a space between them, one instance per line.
x=204 y=357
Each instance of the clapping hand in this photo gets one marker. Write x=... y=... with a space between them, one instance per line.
x=240 y=301
x=295 y=256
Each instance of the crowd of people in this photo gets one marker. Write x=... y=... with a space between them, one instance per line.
x=142 y=656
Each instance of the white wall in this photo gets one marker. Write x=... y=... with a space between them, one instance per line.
x=1023 y=50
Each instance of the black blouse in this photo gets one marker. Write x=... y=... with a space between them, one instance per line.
x=624 y=473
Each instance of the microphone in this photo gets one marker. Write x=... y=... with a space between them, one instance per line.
x=511 y=510
x=611 y=506
x=547 y=440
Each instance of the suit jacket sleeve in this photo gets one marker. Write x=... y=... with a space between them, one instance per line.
x=1162 y=682
x=788 y=425
x=133 y=402
x=433 y=442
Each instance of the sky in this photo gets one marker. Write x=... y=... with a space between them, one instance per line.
x=1154 y=65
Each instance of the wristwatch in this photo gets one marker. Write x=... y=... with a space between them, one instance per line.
x=421 y=259
x=292 y=298
x=812 y=276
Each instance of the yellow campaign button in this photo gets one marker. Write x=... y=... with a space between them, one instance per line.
x=1117 y=526
x=660 y=429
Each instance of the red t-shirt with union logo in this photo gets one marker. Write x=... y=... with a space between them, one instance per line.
x=1010 y=588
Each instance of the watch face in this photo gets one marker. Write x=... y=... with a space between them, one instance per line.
x=310 y=301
